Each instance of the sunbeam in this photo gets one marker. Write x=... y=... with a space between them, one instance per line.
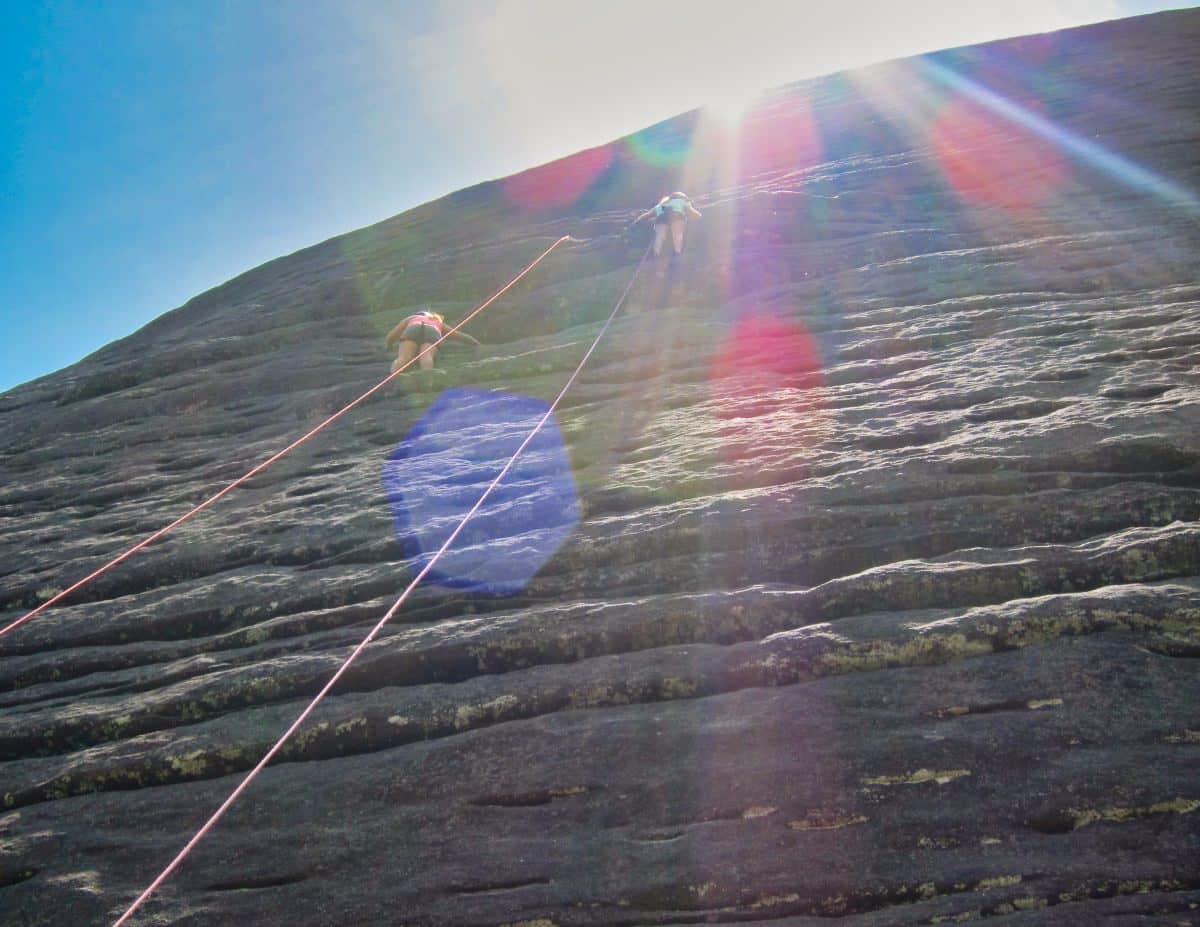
x=1117 y=166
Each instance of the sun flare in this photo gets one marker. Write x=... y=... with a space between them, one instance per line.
x=730 y=110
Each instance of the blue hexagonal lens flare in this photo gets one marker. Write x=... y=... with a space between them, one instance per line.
x=443 y=465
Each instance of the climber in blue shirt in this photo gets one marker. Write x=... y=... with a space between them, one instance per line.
x=671 y=212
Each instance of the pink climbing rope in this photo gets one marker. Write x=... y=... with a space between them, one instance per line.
x=270 y=460
x=270 y=754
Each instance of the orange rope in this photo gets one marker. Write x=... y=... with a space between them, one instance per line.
x=250 y=776
x=270 y=460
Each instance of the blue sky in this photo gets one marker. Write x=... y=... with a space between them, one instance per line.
x=151 y=150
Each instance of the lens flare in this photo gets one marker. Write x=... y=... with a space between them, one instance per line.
x=769 y=364
x=662 y=145
x=989 y=164
x=764 y=352
x=731 y=109
x=782 y=135
x=442 y=466
x=1089 y=153
x=559 y=184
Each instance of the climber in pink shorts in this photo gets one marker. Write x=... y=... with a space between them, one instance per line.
x=418 y=330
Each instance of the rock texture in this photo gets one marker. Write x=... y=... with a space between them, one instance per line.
x=883 y=604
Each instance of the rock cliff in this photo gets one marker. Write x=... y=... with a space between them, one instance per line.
x=858 y=578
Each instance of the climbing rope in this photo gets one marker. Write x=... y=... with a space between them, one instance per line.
x=58 y=597
x=250 y=776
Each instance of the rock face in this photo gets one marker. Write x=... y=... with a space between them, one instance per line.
x=883 y=601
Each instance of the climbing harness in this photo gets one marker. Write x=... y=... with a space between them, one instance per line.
x=58 y=597
x=250 y=776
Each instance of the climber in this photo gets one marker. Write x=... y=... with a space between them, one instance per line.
x=420 y=329
x=672 y=213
